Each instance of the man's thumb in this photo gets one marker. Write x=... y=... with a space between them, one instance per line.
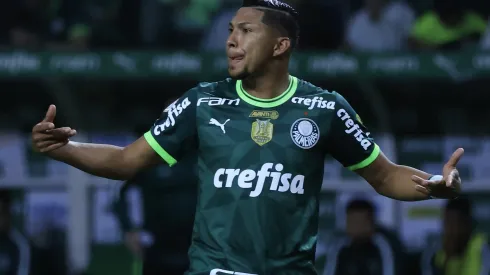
x=50 y=114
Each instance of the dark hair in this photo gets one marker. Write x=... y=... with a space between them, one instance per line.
x=278 y=15
x=461 y=205
x=361 y=205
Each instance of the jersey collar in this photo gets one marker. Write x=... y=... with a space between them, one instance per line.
x=268 y=103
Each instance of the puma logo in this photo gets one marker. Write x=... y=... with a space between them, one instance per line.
x=216 y=123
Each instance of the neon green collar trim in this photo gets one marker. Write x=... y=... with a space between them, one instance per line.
x=268 y=103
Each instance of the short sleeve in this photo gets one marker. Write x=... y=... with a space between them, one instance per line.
x=175 y=132
x=349 y=141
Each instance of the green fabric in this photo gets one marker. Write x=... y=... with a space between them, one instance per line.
x=469 y=264
x=429 y=29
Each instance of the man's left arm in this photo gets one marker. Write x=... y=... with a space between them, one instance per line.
x=352 y=145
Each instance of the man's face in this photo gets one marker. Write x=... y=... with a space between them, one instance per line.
x=360 y=224
x=4 y=217
x=250 y=43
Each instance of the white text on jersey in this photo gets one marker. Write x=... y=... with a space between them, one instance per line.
x=317 y=102
x=247 y=178
x=173 y=111
x=354 y=129
x=216 y=101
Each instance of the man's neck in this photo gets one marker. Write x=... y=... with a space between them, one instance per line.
x=266 y=86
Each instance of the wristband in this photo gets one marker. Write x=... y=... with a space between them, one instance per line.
x=436 y=177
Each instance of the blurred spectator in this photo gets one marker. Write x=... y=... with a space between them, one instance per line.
x=321 y=22
x=485 y=42
x=462 y=250
x=366 y=250
x=380 y=26
x=15 y=251
x=450 y=26
x=50 y=24
x=157 y=22
x=215 y=38
x=115 y=23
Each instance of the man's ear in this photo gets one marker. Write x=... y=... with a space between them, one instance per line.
x=282 y=46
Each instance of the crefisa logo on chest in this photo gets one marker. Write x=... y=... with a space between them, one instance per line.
x=305 y=133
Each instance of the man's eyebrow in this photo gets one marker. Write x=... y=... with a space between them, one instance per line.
x=241 y=24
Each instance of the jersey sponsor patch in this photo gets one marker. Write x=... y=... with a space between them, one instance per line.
x=262 y=131
x=255 y=180
x=316 y=102
x=217 y=101
x=305 y=133
x=173 y=111
x=262 y=128
x=265 y=114
x=353 y=128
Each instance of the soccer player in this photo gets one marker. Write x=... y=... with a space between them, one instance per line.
x=261 y=137
x=15 y=250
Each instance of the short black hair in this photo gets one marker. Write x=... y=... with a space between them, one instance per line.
x=278 y=15
x=461 y=205
x=360 y=205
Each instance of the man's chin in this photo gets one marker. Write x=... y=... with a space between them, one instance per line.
x=237 y=75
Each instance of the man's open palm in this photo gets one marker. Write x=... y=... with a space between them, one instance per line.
x=449 y=186
x=46 y=138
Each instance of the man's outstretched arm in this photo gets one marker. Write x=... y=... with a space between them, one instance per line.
x=97 y=159
x=409 y=184
x=108 y=161
x=350 y=142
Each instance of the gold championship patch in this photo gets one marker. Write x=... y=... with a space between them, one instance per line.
x=262 y=131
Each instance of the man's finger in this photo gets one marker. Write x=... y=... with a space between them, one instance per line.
x=50 y=114
x=41 y=137
x=64 y=132
x=422 y=189
x=419 y=180
x=47 y=143
x=43 y=126
x=53 y=147
x=449 y=180
x=455 y=157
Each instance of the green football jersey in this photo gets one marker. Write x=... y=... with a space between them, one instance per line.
x=260 y=170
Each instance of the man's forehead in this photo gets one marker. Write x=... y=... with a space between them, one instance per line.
x=248 y=15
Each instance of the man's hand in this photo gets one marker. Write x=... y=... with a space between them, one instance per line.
x=46 y=138
x=446 y=188
x=133 y=242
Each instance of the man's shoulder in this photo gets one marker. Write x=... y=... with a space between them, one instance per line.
x=308 y=90
x=218 y=88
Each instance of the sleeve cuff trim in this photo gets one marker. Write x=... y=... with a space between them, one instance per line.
x=159 y=150
x=368 y=160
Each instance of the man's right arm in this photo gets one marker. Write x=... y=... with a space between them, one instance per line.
x=167 y=140
x=108 y=161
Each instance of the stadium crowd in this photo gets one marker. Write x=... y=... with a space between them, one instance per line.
x=357 y=25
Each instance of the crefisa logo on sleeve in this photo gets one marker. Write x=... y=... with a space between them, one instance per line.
x=173 y=111
x=354 y=129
